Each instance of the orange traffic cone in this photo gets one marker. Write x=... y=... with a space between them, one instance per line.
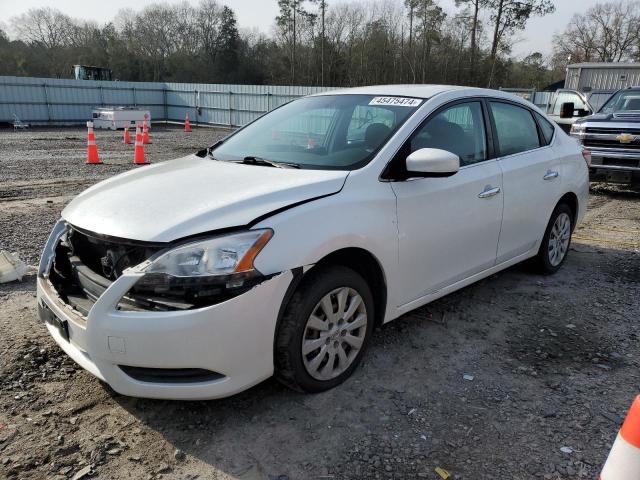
x=92 y=149
x=138 y=153
x=127 y=137
x=187 y=125
x=145 y=132
x=623 y=462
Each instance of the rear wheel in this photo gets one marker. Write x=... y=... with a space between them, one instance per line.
x=325 y=330
x=556 y=241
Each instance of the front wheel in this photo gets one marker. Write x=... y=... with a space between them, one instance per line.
x=324 y=330
x=556 y=241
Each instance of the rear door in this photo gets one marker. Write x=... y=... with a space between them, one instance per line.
x=448 y=227
x=530 y=176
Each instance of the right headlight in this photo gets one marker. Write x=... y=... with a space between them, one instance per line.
x=577 y=130
x=200 y=273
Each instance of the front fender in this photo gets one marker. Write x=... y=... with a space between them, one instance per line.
x=363 y=218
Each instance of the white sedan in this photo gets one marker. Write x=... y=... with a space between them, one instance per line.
x=278 y=250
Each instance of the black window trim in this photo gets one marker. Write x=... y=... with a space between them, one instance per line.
x=537 y=116
x=488 y=131
x=542 y=143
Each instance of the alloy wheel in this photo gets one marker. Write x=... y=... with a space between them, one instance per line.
x=559 y=239
x=334 y=333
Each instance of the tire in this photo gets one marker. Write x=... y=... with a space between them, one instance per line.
x=308 y=372
x=545 y=262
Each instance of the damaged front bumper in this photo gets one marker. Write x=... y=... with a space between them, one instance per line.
x=194 y=354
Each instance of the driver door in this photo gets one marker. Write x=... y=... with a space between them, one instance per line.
x=449 y=226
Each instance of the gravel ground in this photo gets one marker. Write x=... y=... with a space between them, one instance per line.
x=551 y=364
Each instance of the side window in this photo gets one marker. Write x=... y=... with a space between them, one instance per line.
x=515 y=128
x=547 y=128
x=564 y=97
x=366 y=115
x=458 y=129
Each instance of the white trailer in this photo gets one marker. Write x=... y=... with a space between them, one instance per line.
x=115 y=118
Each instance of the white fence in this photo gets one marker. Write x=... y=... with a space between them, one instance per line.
x=60 y=101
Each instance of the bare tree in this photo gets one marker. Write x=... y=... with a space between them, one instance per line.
x=353 y=42
x=509 y=16
x=607 y=32
x=44 y=26
x=476 y=6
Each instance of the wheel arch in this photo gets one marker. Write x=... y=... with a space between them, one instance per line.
x=571 y=200
x=366 y=265
x=360 y=260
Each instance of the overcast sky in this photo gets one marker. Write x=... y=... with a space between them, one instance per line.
x=261 y=13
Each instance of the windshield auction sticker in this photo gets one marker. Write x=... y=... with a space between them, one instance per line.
x=396 y=101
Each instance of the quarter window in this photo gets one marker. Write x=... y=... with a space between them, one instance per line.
x=547 y=129
x=515 y=128
x=458 y=129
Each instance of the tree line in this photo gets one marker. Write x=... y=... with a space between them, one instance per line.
x=316 y=42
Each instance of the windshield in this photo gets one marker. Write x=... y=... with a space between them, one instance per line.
x=623 y=101
x=324 y=132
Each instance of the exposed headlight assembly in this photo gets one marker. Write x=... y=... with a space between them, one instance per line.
x=200 y=273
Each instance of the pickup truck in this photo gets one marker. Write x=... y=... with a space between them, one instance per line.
x=584 y=104
x=612 y=136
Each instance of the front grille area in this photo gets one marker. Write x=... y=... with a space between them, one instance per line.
x=598 y=143
x=84 y=266
x=622 y=162
x=613 y=131
x=171 y=375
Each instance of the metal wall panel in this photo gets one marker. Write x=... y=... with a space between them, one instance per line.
x=603 y=78
x=50 y=100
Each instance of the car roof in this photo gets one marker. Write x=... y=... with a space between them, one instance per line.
x=421 y=91
x=410 y=90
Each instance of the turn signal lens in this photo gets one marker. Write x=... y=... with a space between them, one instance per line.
x=586 y=154
x=246 y=263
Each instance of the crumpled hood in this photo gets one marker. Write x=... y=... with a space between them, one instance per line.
x=179 y=198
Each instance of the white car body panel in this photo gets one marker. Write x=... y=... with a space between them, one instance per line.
x=525 y=194
x=430 y=236
x=437 y=215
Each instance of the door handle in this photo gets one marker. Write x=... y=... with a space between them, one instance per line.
x=550 y=175
x=489 y=191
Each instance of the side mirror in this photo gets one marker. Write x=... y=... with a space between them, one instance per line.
x=432 y=162
x=566 y=110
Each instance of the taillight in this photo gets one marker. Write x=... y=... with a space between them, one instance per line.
x=586 y=154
